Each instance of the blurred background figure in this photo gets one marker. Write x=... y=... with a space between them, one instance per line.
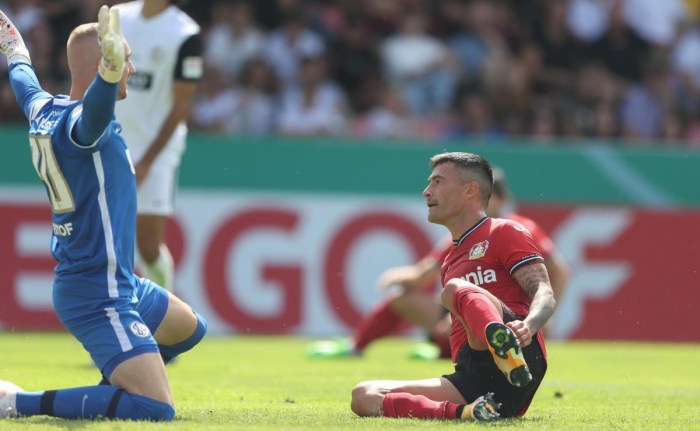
x=243 y=108
x=316 y=106
x=167 y=52
x=390 y=119
x=418 y=64
x=233 y=39
x=288 y=45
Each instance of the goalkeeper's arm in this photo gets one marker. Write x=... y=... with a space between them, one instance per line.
x=98 y=111
x=100 y=97
x=11 y=42
x=23 y=80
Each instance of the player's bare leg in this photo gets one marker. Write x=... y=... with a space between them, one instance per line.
x=435 y=398
x=157 y=262
x=179 y=322
x=422 y=309
x=419 y=308
x=144 y=375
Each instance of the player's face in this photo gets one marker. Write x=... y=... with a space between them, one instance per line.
x=445 y=194
x=129 y=68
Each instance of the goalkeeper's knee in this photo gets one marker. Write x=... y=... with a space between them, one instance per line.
x=138 y=407
x=170 y=352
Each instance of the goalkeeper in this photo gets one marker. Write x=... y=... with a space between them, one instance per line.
x=129 y=325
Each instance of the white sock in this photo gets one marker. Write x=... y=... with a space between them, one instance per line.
x=162 y=270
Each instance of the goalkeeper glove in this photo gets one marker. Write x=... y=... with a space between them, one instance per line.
x=11 y=43
x=111 y=41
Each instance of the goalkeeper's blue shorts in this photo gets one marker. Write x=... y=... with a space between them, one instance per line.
x=113 y=330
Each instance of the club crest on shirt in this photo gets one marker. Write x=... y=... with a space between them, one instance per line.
x=478 y=250
x=139 y=329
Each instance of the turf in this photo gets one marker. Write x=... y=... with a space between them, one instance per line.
x=266 y=383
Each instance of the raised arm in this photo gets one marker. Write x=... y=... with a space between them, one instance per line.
x=98 y=111
x=101 y=95
x=23 y=80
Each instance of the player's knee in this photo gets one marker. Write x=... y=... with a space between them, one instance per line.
x=361 y=403
x=459 y=288
x=146 y=408
x=359 y=392
x=169 y=352
x=447 y=295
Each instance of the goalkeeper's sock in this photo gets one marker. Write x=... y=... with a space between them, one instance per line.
x=404 y=405
x=92 y=402
x=476 y=310
x=379 y=323
x=161 y=271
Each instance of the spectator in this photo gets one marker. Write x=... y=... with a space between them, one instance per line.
x=243 y=109
x=641 y=108
x=478 y=41
x=474 y=119
x=656 y=21
x=558 y=50
x=316 y=106
x=287 y=45
x=355 y=65
x=214 y=102
x=390 y=119
x=418 y=64
x=233 y=40
x=620 y=49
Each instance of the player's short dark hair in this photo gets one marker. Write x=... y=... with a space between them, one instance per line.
x=475 y=168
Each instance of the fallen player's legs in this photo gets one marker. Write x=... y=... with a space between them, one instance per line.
x=387 y=317
x=435 y=398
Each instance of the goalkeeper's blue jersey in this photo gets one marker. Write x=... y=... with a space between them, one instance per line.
x=92 y=190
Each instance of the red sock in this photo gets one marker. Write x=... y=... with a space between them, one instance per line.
x=379 y=323
x=476 y=309
x=403 y=405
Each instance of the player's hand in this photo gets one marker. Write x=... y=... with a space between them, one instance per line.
x=522 y=331
x=112 y=46
x=11 y=43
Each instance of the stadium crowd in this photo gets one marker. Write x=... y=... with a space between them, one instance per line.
x=423 y=69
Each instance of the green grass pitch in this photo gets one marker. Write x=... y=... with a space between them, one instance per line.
x=266 y=383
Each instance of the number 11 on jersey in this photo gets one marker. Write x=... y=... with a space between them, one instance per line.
x=49 y=171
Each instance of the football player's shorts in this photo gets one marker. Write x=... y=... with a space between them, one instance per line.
x=156 y=194
x=113 y=330
x=476 y=374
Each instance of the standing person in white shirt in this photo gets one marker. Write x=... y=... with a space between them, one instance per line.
x=167 y=52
